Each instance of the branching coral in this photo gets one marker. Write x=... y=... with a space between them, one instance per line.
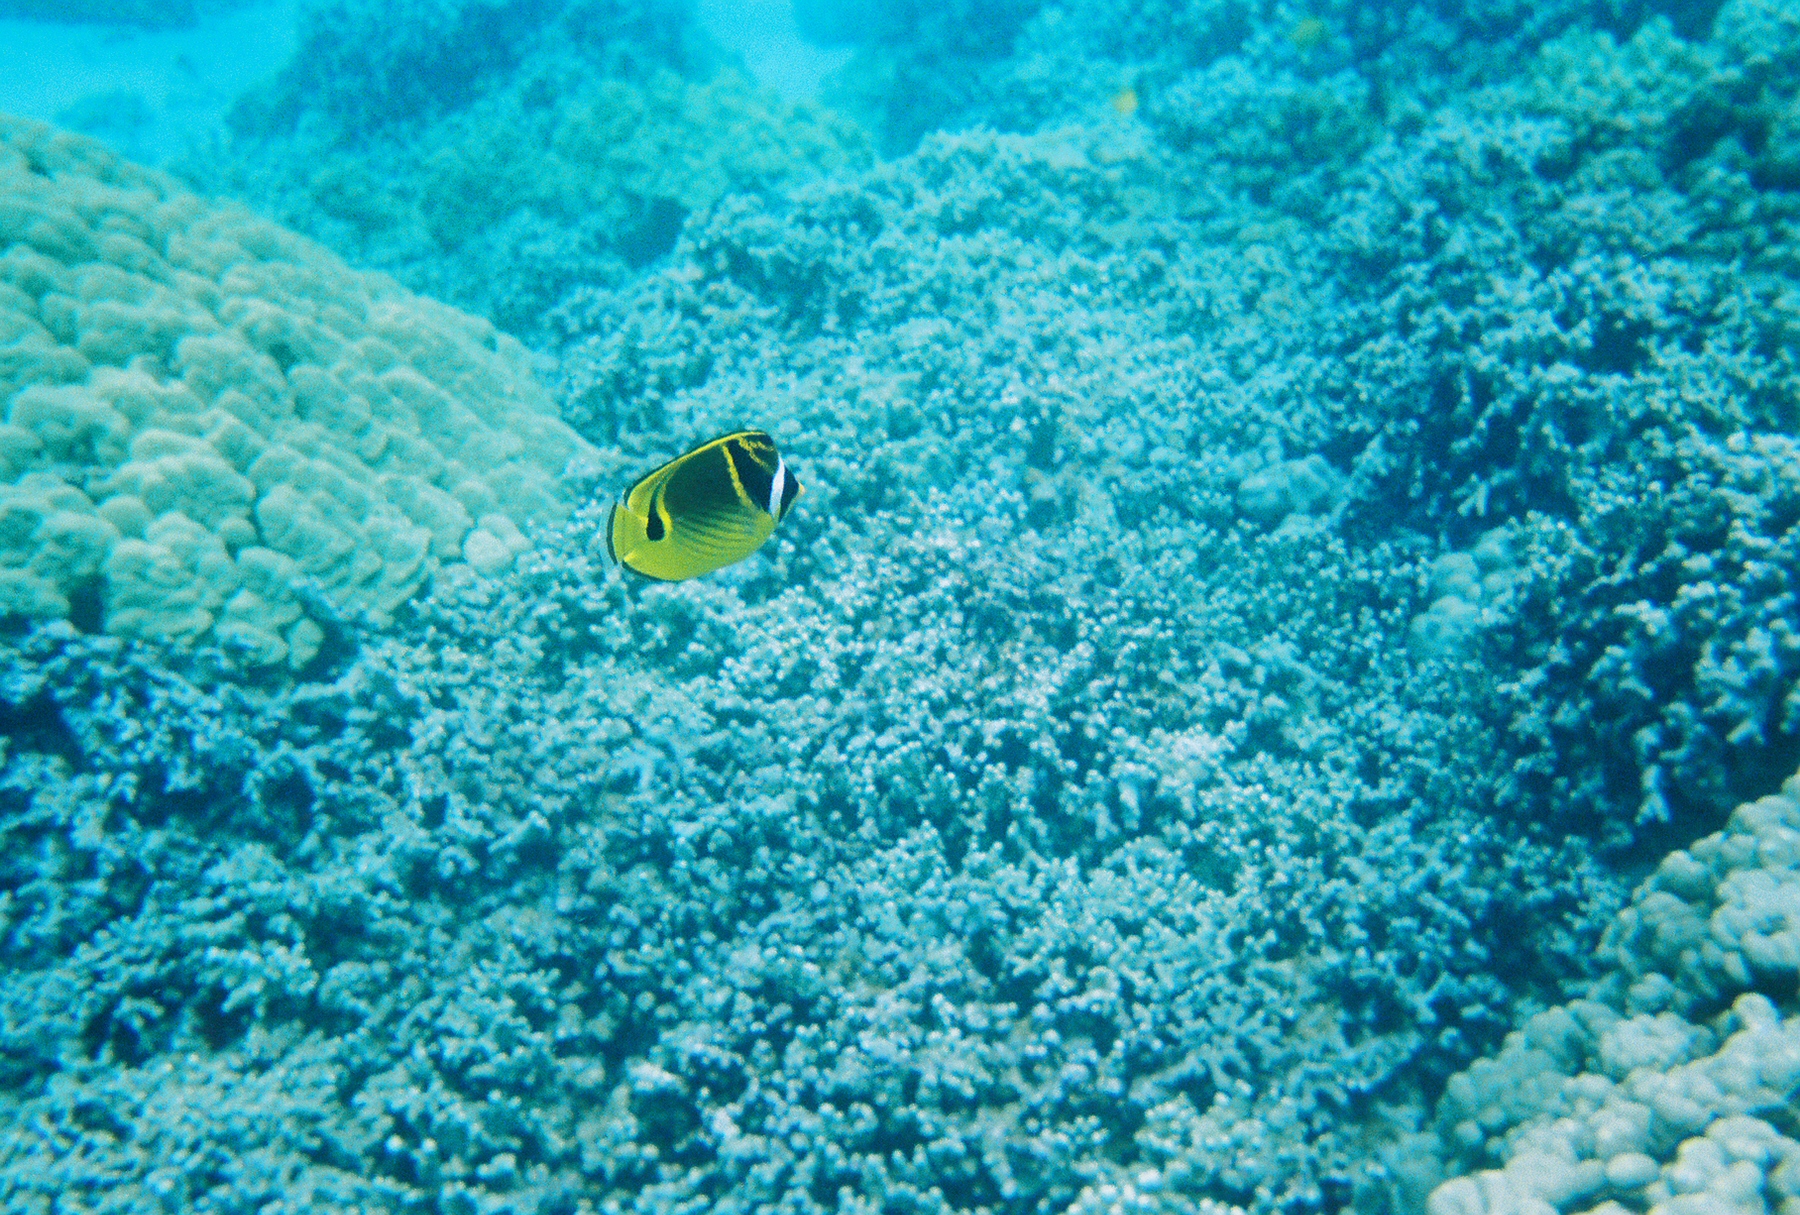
x=1074 y=829
x=1230 y=618
x=1021 y=65
x=1568 y=338
x=493 y=154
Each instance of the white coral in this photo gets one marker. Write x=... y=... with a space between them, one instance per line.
x=1669 y=1114
x=216 y=390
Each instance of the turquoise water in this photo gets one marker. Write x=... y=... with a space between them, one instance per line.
x=1300 y=523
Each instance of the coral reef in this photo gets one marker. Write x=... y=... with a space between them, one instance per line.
x=1275 y=559
x=904 y=883
x=1522 y=324
x=210 y=421
x=1020 y=64
x=1670 y=1088
x=1076 y=833
x=494 y=154
x=1604 y=366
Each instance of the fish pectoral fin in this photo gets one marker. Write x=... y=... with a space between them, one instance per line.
x=722 y=533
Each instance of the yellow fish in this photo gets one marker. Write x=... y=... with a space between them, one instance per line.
x=704 y=510
x=1308 y=34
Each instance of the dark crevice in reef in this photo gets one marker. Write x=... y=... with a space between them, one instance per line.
x=86 y=608
x=37 y=724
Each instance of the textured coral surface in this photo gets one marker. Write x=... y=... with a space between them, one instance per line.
x=1671 y=1087
x=494 y=154
x=208 y=418
x=1289 y=547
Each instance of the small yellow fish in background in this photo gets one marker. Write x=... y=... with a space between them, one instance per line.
x=1125 y=102
x=1308 y=34
x=703 y=510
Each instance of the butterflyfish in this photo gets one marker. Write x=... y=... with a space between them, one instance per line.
x=703 y=510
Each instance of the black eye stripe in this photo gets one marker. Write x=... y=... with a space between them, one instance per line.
x=755 y=479
x=653 y=526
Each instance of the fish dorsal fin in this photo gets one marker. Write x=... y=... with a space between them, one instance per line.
x=756 y=441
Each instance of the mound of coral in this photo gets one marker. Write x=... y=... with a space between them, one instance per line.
x=210 y=423
x=1671 y=1086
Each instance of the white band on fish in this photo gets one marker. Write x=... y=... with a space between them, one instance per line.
x=776 y=485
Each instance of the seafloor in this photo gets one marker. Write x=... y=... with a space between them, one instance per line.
x=1276 y=697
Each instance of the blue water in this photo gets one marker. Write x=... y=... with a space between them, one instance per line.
x=1300 y=517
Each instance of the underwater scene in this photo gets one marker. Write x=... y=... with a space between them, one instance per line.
x=900 y=607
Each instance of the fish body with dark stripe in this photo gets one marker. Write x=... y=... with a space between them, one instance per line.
x=703 y=510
